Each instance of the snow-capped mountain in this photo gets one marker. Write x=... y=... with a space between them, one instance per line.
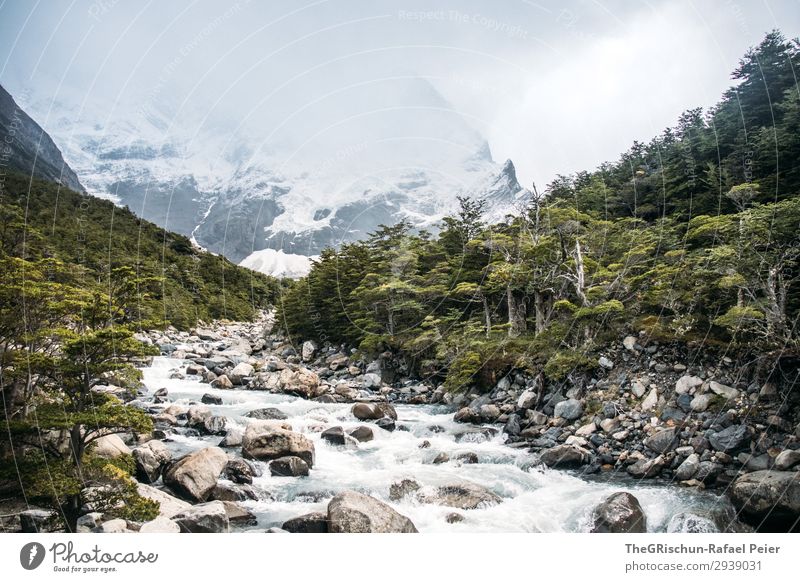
x=323 y=174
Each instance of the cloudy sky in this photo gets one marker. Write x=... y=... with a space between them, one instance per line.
x=555 y=86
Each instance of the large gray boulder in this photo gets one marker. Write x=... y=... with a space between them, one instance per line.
x=568 y=409
x=619 y=513
x=168 y=504
x=662 y=441
x=768 y=500
x=208 y=517
x=265 y=443
x=373 y=411
x=316 y=522
x=241 y=371
x=195 y=475
x=731 y=438
x=353 y=512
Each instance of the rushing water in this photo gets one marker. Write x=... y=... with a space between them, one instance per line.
x=535 y=499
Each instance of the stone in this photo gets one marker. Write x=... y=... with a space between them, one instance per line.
x=662 y=441
x=113 y=526
x=197 y=415
x=208 y=517
x=605 y=363
x=211 y=399
x=638 y=388
x=768 y=499
x=238 y=514
x=362 y=434
x=307 y=352
x=240 y=471
x=647 y=468
x=565 y=456
x=400 y=489
x=150 y=459
x=461 y=495
x=619 y=513
x=240 y=372
x=527 y=399
x=468 y=458
x=353 y=512
x=222 y=383
x=371 y=380
x=334 y=435
x=467 y=415
x=267 y=414
x=316 y=522
x=587 y=429
x=454 y=518
x=701 y=402
x=787 y=459
x=609 y=425
x=489 y=412
x=195 y=475
x=232 y=492
x=233 y=438
x=730 y=439
x=686 y=384
x=213 y=425
x=688 y=468
x=160 y=525
x=110 y=447
x=386 y=424
x=289 y=467
x=651 y=401
x=266 y=443
x=568 y=409
x=513 y=426
x=536 y=418
x=725 y=391
x=168 y=504
x=629 y=343
x=441 y=458
x=367 y=411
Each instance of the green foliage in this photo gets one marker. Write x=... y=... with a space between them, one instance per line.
x=565 y=362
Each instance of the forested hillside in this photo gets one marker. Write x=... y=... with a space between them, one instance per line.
x=692 y=238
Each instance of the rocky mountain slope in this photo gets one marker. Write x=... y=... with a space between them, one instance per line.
x=27 y=148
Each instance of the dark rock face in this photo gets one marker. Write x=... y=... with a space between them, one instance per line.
x=768 y=500
x=730 y=439
x=32 y=151
x=240 y=471
x=662 y=441
x=619 y=513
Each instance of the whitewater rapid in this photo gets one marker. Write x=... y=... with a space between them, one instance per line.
x=535 y=499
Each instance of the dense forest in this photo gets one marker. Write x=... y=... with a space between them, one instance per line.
x=79 y=278
x=691 y=238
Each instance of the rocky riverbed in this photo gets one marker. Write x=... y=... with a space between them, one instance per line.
x=252 y=434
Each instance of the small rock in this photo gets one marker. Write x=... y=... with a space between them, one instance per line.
x=399 y=490
x=362 y=434
x=316 y=522
x=787 y=459
x=686 y=384
x=353 y=512
x=619 y=513
x=629 y=343
x=208 y=517
x=568 y=409
x=211 y=399
x=725 y=391
x=289 y=467
x=605 y=363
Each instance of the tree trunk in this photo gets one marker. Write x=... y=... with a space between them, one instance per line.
x=580 y=277
x=487 y=315
x=541 y=312
x=516 y=314
x=776 y=295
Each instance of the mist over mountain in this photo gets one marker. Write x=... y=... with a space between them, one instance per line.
x=327 y=174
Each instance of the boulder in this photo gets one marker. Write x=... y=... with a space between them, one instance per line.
x=289 y=467
x=638 y=388
x=225 y=491
x=725 y=391
x=265 y=443
x=605 y=363
x=208 y=517
x=467 y=415
x=110 y=447
x=334 y=435
x=565 y=456
x=211 y=399
x=238 y=514
x=701 y=402
x=569 y=409
x=386 y=424
x=160 y=525
x=213 y=425
x=316 y=522
x=302 y=382
x=688 y=468
x=629 y=343
x=729 y=439
x=267 y=414
x=197 y=415
x=168 y=505
x=353 y=512
x=527 y=399
x=367 y=411
x=619 y=513
x=112 y=526
x=307 y=352
x=240 y=471
x=787 y=459
x=241 y=371
x=195 y=475
x=662 y=441
x=150 y=459
x=222 y=383
x=402 y=488
x=35 y=520
x=647 y=468
x=462 y=495
x=769 y=500
x=686 y=384
x=362 y=434
x=371 y=380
